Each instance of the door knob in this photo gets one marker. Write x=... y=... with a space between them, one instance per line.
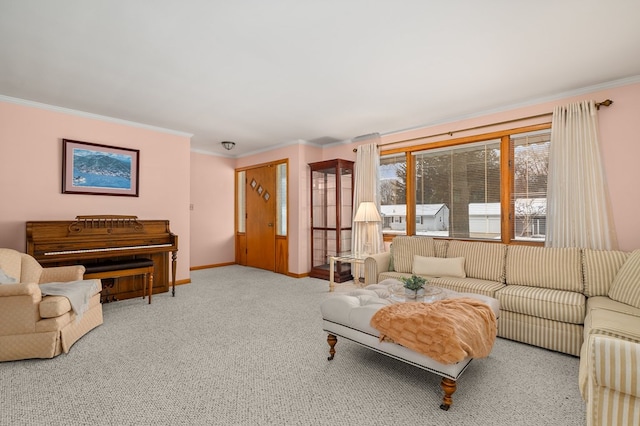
x=270 y=224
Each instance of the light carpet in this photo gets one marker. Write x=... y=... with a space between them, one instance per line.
x=242 y=346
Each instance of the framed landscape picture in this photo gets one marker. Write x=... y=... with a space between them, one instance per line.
x=91 y=168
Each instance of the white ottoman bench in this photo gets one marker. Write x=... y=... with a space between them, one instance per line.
x=349 y=316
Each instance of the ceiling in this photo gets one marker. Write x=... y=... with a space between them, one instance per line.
x=271 y=73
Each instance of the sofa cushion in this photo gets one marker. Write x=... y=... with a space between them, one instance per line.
x=603 y=302
x=482 y=260
x=461 y=285
x=625 y=287
x=468 y=285
x=404 y=248
x=600 y=269
x=556 y=305
x=545 y=267
x=615 y=324
x=54 y=306
x=394 y=275
x=440 y=246
x=438 y=267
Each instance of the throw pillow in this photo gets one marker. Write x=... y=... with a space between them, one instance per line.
x=439 y=267
x=625 y=287
x=6 y=279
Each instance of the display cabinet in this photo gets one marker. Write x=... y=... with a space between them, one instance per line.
x=331 y=217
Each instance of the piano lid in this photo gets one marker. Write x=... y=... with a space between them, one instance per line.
x=95 y=226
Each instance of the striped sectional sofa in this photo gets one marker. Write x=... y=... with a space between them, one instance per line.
x=577 y=301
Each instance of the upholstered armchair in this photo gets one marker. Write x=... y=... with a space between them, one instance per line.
x=37 y=326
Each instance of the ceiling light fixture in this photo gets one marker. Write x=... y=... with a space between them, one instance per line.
x=228 y=145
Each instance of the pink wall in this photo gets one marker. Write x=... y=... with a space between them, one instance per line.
x=31 y=170
x=212 y=221
x=620 y=130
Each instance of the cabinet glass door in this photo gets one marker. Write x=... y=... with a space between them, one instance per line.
x=331 y=216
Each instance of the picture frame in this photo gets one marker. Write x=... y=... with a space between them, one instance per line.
x=91 y=168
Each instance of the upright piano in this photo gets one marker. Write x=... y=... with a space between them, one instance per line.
x=104 y=239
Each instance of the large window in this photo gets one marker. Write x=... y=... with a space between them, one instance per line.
x=490 y=187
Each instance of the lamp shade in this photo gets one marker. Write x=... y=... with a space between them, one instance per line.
x=367 y=212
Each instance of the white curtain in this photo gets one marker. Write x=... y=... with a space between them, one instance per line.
x=367 y=178
x=578 y=210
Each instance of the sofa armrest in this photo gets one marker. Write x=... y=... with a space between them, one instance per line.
x=62 y=274
x=613 y=384
x=21 y=289
x=604 y=323
x=19 y=308
x=374 y=265
x=609 y=370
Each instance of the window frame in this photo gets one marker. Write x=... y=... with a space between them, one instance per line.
x=507 y=214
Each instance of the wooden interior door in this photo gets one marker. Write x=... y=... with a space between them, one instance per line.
x=261 y=217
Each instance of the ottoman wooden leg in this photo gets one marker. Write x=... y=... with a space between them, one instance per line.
x=332 y=340
x=449 y=387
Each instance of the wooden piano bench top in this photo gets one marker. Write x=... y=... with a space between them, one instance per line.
x=122 y=268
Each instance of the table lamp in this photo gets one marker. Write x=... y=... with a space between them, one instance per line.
x=367 y=213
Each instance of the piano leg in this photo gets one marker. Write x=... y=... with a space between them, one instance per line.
x=174 y=261
x=147 y=285
x=150 y=286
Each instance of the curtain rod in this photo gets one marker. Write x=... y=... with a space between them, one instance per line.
x=606 y=102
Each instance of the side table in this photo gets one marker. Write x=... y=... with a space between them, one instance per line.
x=356 y=261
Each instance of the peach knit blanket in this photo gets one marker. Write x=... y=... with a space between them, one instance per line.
x=446 y=330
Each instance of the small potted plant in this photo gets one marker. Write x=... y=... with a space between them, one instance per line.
x=414 y=286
